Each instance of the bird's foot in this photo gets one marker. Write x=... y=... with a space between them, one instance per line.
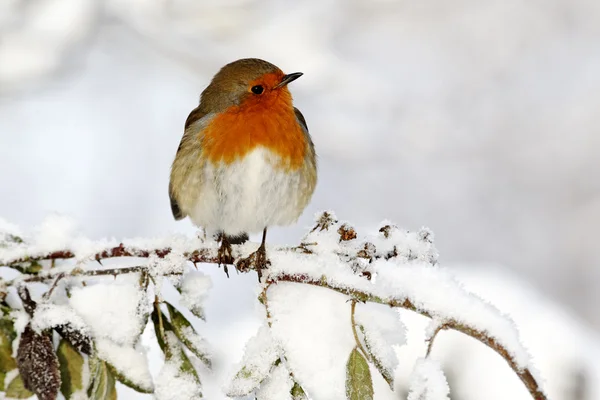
x=257 y=261
x=224 y=254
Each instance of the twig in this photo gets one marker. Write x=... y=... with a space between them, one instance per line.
x=431 y=339
x=356 y=339
x=524 y=374
x=49 y=292
x=76 y=272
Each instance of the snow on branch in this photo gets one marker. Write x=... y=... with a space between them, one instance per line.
x=330 y=314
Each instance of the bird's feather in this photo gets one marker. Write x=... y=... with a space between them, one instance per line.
x=188 y=146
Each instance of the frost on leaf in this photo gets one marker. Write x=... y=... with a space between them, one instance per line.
x=112 y=311
x=359 y=385
x=116 y=315
x=314 y=329
x=278 y=386
x=186 y=333
x=38 y=365
x=194 y=289
x=382 y=331
x=428 y=382
x=259 y=357
x=173 y=384
x=129 y=365
x=64 y=320
x=178 y=379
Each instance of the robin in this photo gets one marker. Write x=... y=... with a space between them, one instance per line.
x=246 y=160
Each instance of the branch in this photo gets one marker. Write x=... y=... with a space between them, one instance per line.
x=206 y=255
x=356 y=339
x=351 y=252
x=79 y=272
x=524 y=374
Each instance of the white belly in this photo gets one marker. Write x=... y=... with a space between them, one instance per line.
x=248 y=195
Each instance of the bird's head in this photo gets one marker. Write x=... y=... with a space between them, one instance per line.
x=247 y=83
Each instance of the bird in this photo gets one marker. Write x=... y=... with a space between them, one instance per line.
x=246 y=160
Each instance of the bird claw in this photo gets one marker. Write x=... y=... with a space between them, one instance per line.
x=224 y=255
x=257 y=261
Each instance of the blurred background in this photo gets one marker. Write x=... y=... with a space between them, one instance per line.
x=478 y=119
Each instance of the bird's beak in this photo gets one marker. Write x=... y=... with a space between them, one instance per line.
x=288 y=78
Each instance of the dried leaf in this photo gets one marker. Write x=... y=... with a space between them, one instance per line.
x=186 y=333
x=76 y=338
x=102 y=383
x=38 y=364
x=16 y=389
x=28 y=304
x=359 y=385
x=71 y=367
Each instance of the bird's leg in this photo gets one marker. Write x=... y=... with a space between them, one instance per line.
x=224 y=255
x=258 y=259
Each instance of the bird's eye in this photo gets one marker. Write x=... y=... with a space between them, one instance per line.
x=258 y=89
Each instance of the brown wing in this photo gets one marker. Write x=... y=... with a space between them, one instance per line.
x=302 y=122
x=301 y=119
x=194 y=116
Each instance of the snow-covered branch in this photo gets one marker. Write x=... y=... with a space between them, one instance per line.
x=329 y=314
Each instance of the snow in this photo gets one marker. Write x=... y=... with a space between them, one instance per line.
x=411 y=275
x=8 y=228
x=277 y=386
x=196 y=341
x=172 y=383
x=51 y=315
x=129 y=362
x=313 y=326
x=428 y=381
x=175 y=385
x=112 y=311
x=260 y=354
x=194 y=288
x=383 y=332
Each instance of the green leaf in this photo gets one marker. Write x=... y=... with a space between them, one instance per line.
x=169 y=344
x=7 y=336
x=126 y=381
x=102 y=383
x=28 y=267
x=261 y=356
x=385 y=373
x=7 y=362
x=359 y=385
x=71 y=366
x=185 y=332
x=16 y=389
x=297 y=392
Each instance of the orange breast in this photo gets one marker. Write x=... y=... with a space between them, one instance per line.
x=237 y=131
